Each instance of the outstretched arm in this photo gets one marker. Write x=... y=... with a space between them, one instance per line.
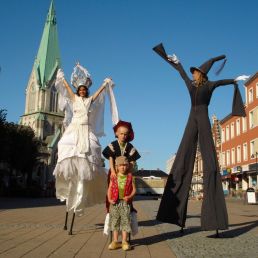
x=174 y=61
x=228 y=81
x=60 y=80
x=101 y=88
x=70 y=91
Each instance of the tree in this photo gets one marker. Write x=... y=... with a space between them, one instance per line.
x=2 y=116
x=24 y=149
x=19 y=147
x=4 y=147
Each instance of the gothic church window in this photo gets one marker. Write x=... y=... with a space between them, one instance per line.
x=32 y=98
x=53 y=100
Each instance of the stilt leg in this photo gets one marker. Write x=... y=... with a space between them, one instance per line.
x=129 y=238
x=66 y=217
x=217 y=233
x=71 y=228
x=182 y=230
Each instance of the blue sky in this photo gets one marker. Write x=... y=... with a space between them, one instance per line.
x=115 y=38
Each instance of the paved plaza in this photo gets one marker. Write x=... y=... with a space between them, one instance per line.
x=34 y=228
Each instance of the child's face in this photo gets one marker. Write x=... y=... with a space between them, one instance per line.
x=122 y=168
x=122 y=134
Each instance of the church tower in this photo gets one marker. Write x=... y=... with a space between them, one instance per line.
x=41 y=108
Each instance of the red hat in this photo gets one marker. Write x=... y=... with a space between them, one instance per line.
x=128 y=125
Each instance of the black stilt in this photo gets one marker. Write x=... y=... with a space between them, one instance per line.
x=71 y=228
x=66 y=217
x=217 y=233
x=182 y=230
x=129 y=238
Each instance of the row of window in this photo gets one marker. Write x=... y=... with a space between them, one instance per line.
x=233 y=156
x=235 y=127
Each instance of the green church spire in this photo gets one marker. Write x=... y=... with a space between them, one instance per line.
x=48 y=57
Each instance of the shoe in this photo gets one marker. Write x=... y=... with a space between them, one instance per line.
x=126 y=246
x=114 y=245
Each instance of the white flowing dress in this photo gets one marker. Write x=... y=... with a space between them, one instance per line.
x=81 y=179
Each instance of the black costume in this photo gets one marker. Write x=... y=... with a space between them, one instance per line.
x=113 y=150
x=173 y=206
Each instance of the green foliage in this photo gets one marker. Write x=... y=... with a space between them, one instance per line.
x=2 y=116
x=18 y=145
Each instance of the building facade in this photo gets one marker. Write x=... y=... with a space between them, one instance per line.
x=150 y=182
x=239 y=144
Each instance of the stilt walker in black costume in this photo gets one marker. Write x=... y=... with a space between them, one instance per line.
x=173 y=206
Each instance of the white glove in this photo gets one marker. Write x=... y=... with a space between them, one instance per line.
x=242 y=78
x=173 y=58
x=109 y=81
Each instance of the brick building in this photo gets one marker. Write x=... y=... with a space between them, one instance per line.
x=239 y=144
x=150 y=181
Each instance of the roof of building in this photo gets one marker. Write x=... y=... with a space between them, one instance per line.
x=148 y=173
x=225 y=119
x=48 y=58
x=253 y=77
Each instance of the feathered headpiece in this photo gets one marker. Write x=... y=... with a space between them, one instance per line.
x=80 y=77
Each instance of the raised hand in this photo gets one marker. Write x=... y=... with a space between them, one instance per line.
x=60 y=74
x=242 y=78
x=173 y=59
x=108 y=80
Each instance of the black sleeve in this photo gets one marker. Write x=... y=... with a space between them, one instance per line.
x=214 y=85
x=159 y=49
x=107 y=152
x=238 y=108
x=133 y=154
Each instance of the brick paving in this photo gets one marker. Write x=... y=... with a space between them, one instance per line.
x=34 y=228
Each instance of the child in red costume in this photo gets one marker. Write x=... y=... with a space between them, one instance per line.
x=120 y=193
x=121 y=147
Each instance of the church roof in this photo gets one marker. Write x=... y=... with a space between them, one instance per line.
x=48 y=57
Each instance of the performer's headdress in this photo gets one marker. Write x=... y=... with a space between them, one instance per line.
x=80 y=77
x=205 y=67
x=127 y=125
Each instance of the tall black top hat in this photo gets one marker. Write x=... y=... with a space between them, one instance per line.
x=205 y=67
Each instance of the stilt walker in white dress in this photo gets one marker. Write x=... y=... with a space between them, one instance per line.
x=80 y=175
